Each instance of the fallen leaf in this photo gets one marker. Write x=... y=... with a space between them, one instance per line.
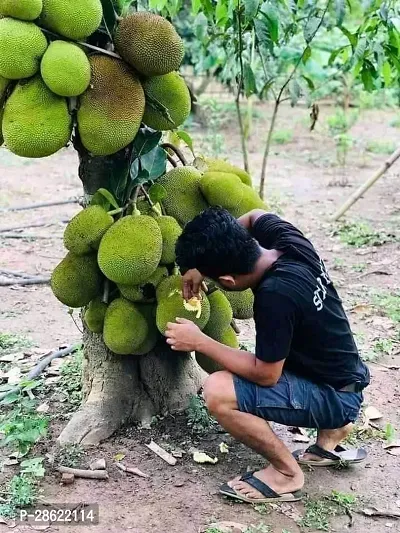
x=119 y=456
x=372 y=413
x=202 y=458
x=223 y=447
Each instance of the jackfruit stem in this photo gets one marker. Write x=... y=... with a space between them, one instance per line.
x=153 y=207
x=177 y=151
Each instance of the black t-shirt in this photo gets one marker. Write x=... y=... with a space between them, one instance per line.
x=298 y=313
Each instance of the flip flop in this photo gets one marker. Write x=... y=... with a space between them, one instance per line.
x=270 y=494
x=340 y=454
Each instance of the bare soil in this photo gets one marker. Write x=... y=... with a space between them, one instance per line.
x=303 y=183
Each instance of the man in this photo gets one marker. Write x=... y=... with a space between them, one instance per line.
x=306 y=370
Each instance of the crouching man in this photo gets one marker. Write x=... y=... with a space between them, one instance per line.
x=306 y=370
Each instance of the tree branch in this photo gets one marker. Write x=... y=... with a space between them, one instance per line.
x=177 y=151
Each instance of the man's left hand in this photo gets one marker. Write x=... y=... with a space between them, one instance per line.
x=183 y=336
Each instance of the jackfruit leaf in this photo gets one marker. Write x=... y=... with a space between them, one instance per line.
x=154 y=162
x=306 y=55
x=105 y=199
x=109 y=15
x=157 y=193
x=251 y=8
x=271 y=17
x=352 y=37
x=263 y=34
x=145 y=141
x=134 y=169
x=186 y=138
x=311 y=28
x=340 y=9
x=249 y=80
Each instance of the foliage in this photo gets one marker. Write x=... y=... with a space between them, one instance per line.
x=389 y=303
x=381 y=147
x=22 y=492
x=282 y=136
x=10 y=343
x=69 y=455
x=70 y=383
x=318 y=512
x=198 y=417
x=360 y=234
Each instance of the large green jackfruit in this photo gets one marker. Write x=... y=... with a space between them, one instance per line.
x=73 y=19
x=111 y=109
x=171 y=92
x=222 y=189
x=130 y=250
x=146 y=291
x=220 y=314
x=229 y=338
x=149 y=43
x=250 y=201
x=125 y=328
x=22 y=44
x=169 y=285
x=65 y=69
x=241 y=303
x=184 y=199
x=76 y=280
x=21 y=9
x=219 y=165
x=174 y=305
x=85 y=231
x=36 y=122
x=95 y=314
x=170 y=231
x=148 y=311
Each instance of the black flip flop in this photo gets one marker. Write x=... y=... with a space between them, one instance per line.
x=340 y=454
x=270 y=494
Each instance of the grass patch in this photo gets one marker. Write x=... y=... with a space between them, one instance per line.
x=359 y=267
x=388 y=303
x=361 y=434
x=70 y=383
x=395 y=123
x=198 y=417
x=381 y=147
x=69 y=455
x=282 y=136
x=10 y=343
x=360 y=234
x=319 y=511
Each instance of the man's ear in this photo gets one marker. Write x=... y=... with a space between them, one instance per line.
x=227 y=281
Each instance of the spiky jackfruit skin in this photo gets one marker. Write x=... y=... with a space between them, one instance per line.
x=85 y=231
x=222 y=189
x=241 y=303
x=171 y=92
x=130 y=250
x=111 y=109
x=148 y=311
x=173 y=305
x=170 y=231
x=95 y=314
x=250 y=201
x=184 y=199
x=146 y=292
x=168 y=285
x=76 y=280
x=221 y=314
x=72 y=19
x=65 y=69
x=21 y=9
x=219 y=165
x=36 y=122
x=227 y=337
x=149 y=43
x=22 y=44
x=125 y=328
x=146 y=209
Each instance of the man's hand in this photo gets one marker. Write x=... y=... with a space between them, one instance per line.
x=192 y=281
x=183 y=336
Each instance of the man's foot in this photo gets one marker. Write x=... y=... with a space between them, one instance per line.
x=328 y=439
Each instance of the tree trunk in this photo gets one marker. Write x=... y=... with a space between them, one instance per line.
x=119 y=389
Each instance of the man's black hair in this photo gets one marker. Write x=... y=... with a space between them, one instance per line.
x=216 y=244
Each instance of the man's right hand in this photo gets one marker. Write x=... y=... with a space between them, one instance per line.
x=192 y=281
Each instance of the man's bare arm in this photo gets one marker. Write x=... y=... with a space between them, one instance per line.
x=248 y=219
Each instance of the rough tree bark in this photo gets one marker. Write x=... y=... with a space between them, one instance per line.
x=121 y=389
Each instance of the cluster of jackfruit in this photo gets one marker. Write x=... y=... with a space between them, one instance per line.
x=46 y=75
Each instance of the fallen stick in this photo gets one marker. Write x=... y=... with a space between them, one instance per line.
x=15 y=273
x=43 y=280
x=89 y=474
x=25 y=236
x=387 y=513
x=34 y=225
x=167 y=457
x=131 y=470
x=38 y=206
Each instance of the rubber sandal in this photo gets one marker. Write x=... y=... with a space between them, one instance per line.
x=340 y=454
x=270 y=494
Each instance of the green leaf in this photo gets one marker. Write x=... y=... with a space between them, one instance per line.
x=309 y=82
x=134 y=170
x=104 y=198
x=154 y=162
x=196 y=5
x=249 y=80
x=33 y=466
x=352 y=37
x=221 y=13
x=267 y=86
x=359 y=50
x=263 y=35
x=310 y=28
x=367 y=78
x=294 y=92
x=251 y=8
x=306 y=55
x=10 y=398
x=271 y=16
x=200 y=26
x=109 y=15
x=340 y=9
x=186 y=138
x=157 y=193
x=334 y=55
x=145 y=141
x=387 y=73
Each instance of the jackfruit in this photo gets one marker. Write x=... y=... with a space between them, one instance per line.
x=220 y=314
x=222 y=189
x=148 y=311
x=65 y=69
x=170 y=231
x=85 y=231
x=146 y=209
x=250 y=201
x=76 y=280
x=145 y=292
x=173 y=305
x=36 y=122
x=130 y=250
x=149 y=43
x=95 y=314
x=125 y=328
x=171 y=92
x=111 y=109
x=241 y=303
x=184 y=199
x=21 y=9
x=168 y=285
x=229 y=338
x=219 y=165
x=22 y=44
x=72 y=19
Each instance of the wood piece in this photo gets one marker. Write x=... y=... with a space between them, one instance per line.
x=89 y=474
x=165 y=456
x=131 y=470
x=67 y=479
x=374 y=511
x=39 y=280
x=38 y=206
x=99 y=464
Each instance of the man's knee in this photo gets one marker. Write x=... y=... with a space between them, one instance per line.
x=219 y=392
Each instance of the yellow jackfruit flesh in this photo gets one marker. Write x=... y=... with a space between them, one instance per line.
x=22 y=44
x=85 y=231
x=170 y=231
x=21 y=9
x=173 y=305
x=125 y=328
x=229 y=338
x=76 y=280
x=168 y=285
x=184 y=199
x=171 y=93
x=222 y=189
x=36 y=122
x=220 y=314
x=111 y=109
x=72 y=19
x=95 y=314
x=130 y=250
x=146 y=292
x=241 y=303
x=219 y=165
x=65 y=69
x=149 y=43
x=148 y=311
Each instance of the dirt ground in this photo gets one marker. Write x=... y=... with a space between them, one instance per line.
x=303 y=185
